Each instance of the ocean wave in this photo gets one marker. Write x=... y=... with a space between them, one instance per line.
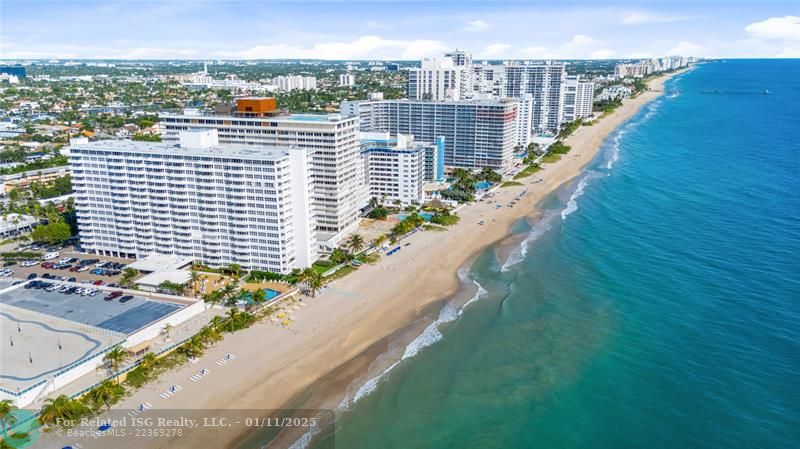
x=615 y=149
x=480 y=292
x=572 y=204
x=518 y=254
x=429 y=336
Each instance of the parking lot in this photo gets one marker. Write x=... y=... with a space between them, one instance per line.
x=21 y=272
x=113 y=315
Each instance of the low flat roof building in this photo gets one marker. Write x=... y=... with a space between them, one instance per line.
x=12 y=225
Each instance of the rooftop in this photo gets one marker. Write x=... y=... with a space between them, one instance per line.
x=227 y=150
x=160 y=262
x=291 y=118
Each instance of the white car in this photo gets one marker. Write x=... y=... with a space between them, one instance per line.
x=53 y=287
x=93 y=292
x=7 y=272
x=28 y=263
x=50 y=256
x=83 y=268
x=100 y=264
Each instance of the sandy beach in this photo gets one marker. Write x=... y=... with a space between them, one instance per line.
x=349 y=321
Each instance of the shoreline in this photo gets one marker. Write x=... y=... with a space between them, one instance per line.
x=342 y=331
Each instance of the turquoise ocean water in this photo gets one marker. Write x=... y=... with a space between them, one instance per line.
x=655 y=305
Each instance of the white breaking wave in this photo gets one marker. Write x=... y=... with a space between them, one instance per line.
x=305 y=439
x=481 y=291
x=615 y=152
x=518 y=254
x=429 y=336
x=572 y=204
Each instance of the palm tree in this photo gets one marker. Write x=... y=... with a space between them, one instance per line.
x=379 y=241
x=259 y=296
x=106 y=393
x=355 y=243
x=216 y=322
x=166 y=330
x=194 y=276
x=228 y=293
x=235 y=269
x=148 y=361
x=115 y=357
x=60 y=408
x=6 y=418
x=316 y=283
x=194 y=347
x=128 y=275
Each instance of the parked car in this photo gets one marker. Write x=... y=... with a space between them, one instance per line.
x=126 y=298
x=97 y=282
x=47 y=265
x=50 y=256
x=83 y=268
x=71 y=280
x=32 y=276
x=28 y=263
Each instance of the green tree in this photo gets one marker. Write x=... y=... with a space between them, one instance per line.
x=259 y=296
x=106 y=393
x=6 y=418
x=355 y=243
x=175 y=288
x=128 y=275
x=61 y=408
x=115 y=357
x=53 y=233
x=315 y=284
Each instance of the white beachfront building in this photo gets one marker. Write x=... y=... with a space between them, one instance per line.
x=220 y=204
x=336 y=169
x=395 y=167
x=578 y=99
x=476 y=133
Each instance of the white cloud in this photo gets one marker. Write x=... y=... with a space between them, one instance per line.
x=639 y=55
x=602 y=54
x=582 y=39
x=789 y=53
x=476 y=25
x=365 y=47
x=580 y=46
x=494 y=50
x=686 y=48
x=778 y=28
x=641 y=18
x=536 y=52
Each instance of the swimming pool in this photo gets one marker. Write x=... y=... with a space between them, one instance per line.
x=271 y=294
x=425 y=216
x=483 y=185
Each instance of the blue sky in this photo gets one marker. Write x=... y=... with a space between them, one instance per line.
x=238 y=29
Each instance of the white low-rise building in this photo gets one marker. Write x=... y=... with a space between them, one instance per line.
x=12 y=225
x=217 y=204
x=614 y=93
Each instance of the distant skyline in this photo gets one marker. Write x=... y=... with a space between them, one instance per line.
x=235 y=29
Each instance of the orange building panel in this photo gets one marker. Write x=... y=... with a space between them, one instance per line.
x=256 y=105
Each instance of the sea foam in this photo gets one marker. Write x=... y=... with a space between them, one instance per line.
x=572 y=204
